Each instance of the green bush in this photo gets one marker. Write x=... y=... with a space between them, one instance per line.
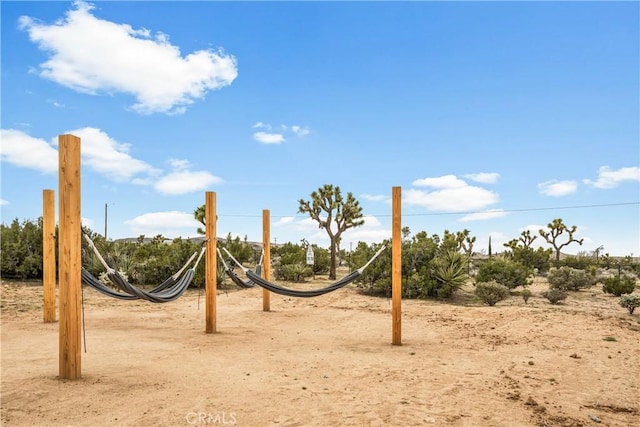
x=294 y=272
x=569 y=279
x=579 y=262
x=555 y=295
x=526 y=294
x=535 y=260
x=630 y=302
x=491 y=292
x=21 y=250
x=290 y=254
x=321 y=260
x=619 y=285
x=505 y=272
x=376 y=278
x=423 y=276
x=449 y=273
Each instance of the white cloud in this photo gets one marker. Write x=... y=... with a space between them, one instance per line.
x=280 y=136
x=451 y=194
x=300 y=131
x=23 y=150
x=446 y=181
x=292 y=223
x=108 y=157
x=608 y=178
x=285 y=220
x=86 y=222
x=372 y=231
x=179 y=164
x=269 y=138
x=3 y=202
x=484 y=177
x=557 y=188
x=169 y=224
x=375 y=197
x=183 y=181
x=55 y=103
x=485 y=215
x=126 y=60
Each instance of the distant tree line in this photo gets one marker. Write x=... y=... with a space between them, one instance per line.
x=149 y=260
x=433 y=266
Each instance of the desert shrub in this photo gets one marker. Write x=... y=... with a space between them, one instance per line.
x=291 y=254
x=21 y=250
x=526 y=294
x=491 y=292
x=630 y=302
x=240 y=249
x=533 y=259
x=579 y=262
x=449 y=273
x=619 y=285
x=321 y=260
x=376 y=278
x=555 y=295
x=505 y=272
x=569 y=279
x=294 y=272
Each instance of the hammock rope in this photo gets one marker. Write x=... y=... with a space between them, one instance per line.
x=277 y=289
x=233 y=276
x=169 y=290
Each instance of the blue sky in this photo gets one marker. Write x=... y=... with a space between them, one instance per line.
x=496 y=117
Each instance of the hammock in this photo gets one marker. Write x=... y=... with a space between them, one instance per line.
x=257 y=279
x=169 y=290
x=233 y=276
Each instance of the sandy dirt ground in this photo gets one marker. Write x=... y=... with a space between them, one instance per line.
x=325 y=361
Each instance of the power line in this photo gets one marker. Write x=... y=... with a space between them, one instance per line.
x=603 y=205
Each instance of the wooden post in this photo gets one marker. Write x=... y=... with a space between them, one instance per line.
x=211 y=265
x=266 y=262
x=48 y=256
x=69 y=264
x=396 y=265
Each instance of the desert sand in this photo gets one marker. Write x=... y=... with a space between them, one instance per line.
x=325 y=361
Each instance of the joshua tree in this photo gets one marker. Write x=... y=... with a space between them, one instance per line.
x=199 y=215
x=327 y=206
x=465 y=241
x=553 y=232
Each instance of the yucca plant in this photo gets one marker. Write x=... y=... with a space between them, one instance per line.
x=449 y=272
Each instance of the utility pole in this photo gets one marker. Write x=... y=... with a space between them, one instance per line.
x=105 y=221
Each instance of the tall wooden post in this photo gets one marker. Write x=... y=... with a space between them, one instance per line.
x=48 y=256
x=211 y=265
x=266 y=262
x=396 y=265
x=69 y=264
